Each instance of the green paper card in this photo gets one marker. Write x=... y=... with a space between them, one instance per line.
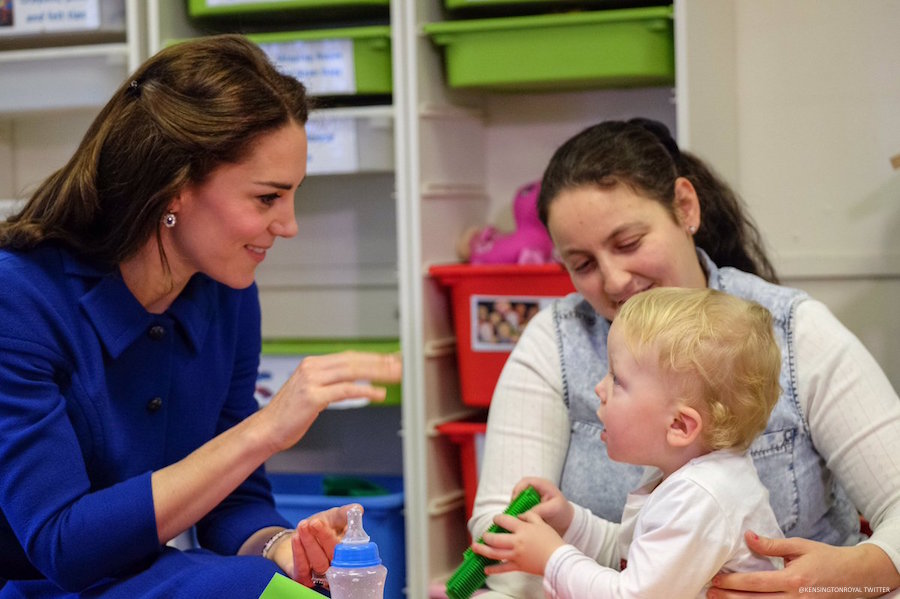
x=282 y=587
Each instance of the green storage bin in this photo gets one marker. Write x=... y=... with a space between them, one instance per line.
x=204 y=9
x=464 y=5
x=608 y=48
x=311 y=347
x=370 y=53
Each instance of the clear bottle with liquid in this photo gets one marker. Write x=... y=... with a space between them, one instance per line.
x=356 y=570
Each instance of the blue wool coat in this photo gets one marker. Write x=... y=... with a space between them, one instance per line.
x=95 y=394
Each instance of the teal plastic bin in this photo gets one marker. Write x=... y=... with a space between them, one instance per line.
x=300 y=495
x=591 y=49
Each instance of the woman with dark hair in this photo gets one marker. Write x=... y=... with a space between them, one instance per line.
x=628 y=211
x=131 y=340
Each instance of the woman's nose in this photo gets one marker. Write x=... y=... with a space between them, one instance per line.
x=285 y=221
x=615 y=278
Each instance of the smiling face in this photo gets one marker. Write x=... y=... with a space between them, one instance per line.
x=227 y=223
x=616 y=243
x=636 y=405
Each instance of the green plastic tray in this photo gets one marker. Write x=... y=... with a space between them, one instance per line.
x=603 y=48
x=308 y=347
x=200 y=9
x=371 y=52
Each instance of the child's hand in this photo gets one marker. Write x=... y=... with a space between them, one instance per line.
x=526 y=547
x=554 y=508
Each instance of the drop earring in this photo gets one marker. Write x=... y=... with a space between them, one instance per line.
x=169 y=220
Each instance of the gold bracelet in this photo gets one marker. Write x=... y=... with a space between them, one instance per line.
x=274 y=539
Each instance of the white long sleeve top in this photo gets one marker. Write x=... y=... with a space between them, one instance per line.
x=676 y=534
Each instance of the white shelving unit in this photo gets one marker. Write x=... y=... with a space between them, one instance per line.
x=338 y=276
x=50 y=95
x=468 y=152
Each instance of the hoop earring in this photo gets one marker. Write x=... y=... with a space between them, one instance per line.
x=169 y=220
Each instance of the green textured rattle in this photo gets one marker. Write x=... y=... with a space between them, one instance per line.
x=470 y=576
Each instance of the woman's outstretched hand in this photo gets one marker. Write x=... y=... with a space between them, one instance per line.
x=811 y=568
x=319 y=381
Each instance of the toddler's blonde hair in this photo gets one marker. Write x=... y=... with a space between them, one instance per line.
x=722 y=350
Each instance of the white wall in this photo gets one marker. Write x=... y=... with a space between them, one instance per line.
x=818 y=95
x=805 y=94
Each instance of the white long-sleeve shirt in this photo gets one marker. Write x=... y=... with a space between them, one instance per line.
x=676 y=536
x=852 y=411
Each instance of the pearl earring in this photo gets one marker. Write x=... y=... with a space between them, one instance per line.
x=692 y=229
x=169 y=220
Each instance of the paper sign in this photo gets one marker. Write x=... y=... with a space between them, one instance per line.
x=324 y=66
x=52 y=15
x=282 y=587
x=332 y=146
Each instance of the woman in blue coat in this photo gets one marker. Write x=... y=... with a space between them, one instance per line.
x=131 y=339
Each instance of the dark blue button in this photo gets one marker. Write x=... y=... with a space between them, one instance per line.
x=157 y=332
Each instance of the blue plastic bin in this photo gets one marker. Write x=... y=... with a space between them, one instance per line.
x=300 y=495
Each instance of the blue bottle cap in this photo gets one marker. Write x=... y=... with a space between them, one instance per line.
x=357 y=555
x=355 y=550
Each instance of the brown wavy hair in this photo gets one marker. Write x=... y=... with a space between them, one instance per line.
x=188 y=109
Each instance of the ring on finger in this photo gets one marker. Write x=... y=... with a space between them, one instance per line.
x=318 y=579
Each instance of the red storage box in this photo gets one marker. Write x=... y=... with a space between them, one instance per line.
x=469 y=435
x=491 y=305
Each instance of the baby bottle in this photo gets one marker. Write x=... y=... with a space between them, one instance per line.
x=356 y=571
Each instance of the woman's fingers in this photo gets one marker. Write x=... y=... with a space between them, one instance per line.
x=351 y=366
x=319 y=381
x=302 y=569
x=330 y=378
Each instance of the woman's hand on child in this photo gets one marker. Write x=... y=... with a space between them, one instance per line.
x=810 y=567
x=527 y=546
x=554 y=508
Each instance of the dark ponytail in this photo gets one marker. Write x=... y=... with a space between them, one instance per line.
x=642 y=154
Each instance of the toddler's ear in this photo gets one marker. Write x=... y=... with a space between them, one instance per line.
x=685 y=427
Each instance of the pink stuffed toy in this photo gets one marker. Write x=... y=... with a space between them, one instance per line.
x=528 y=244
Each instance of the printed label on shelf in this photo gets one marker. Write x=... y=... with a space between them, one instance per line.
x=31 y=16
x=332 y=146
x=324 y=66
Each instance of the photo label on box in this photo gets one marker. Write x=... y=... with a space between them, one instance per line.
x=498 y=321
x=324 y=66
